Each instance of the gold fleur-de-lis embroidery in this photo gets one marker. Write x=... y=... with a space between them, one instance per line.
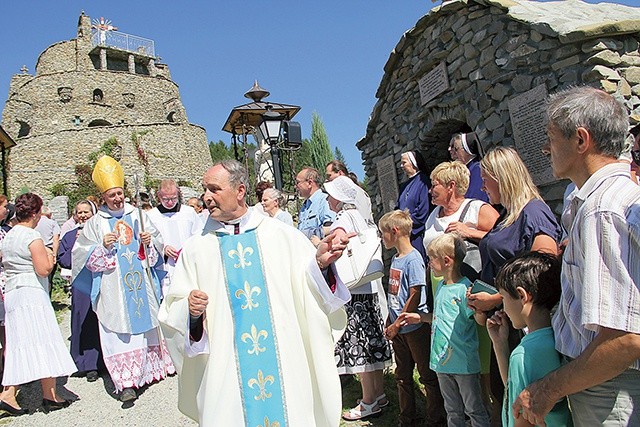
x=241 y=252
x=255 y=340
x=267 y=423
x=261 y=382
x=248 y=292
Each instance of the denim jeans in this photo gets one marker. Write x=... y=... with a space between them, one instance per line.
x=461 y=393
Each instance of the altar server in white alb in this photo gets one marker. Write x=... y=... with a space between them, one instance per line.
x=125 y=291
x=250 y=320
x=176 y=223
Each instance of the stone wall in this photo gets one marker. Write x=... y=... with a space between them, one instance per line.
x=58 y=99
x=495 y=51
x=57 y=58
x=173 y=151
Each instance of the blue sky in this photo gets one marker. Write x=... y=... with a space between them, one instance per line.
x=325 y=56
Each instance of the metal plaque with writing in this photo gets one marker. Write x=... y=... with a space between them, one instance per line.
x=388 y=181
x=529 y=121
x=433 y=83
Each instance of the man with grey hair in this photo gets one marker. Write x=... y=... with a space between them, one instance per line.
x=315 y=212
x=249 y=317
x=175 y=222
x=597 y=324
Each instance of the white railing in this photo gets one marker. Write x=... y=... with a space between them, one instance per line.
x=124 y=42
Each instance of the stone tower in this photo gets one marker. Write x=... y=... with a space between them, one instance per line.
x=100 y=85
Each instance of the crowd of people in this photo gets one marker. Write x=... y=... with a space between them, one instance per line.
x=509 y=316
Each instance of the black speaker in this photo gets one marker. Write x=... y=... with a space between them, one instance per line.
x=292 y=134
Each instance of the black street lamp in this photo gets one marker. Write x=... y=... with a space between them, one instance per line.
x=271 y=121
x=270 y=131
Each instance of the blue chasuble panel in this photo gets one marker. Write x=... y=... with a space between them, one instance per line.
x=255 y=342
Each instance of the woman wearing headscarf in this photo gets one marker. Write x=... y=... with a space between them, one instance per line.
x=85 y=338
x=120 y=247
x=362 y=349
x=35 y=347
x=414 y=196
x=466 y=148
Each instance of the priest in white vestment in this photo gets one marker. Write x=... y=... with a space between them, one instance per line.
x=175 y=222
x=250 y=320
x=115 y=262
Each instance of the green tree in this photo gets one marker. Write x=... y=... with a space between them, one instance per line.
x=340 y=157
x=319 y=144
x=219 y=151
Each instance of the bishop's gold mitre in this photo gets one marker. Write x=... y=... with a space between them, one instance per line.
x=107 y=174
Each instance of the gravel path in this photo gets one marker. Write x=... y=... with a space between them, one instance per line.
x=95 y=404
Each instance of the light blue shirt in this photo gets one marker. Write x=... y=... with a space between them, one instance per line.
x=406 y=272
x=315 y=212
x=454 y=335
x=534 y=358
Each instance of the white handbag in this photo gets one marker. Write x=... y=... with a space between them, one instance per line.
x=361 y=260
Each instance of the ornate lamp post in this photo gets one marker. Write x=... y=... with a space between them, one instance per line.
x=264 y=119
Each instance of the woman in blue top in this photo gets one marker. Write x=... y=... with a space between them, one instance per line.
x=414 y=196
x=526 y=224
x=466 y=148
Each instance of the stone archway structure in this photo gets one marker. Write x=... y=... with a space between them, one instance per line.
x=487 y=66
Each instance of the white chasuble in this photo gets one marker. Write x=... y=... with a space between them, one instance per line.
x=266 y=357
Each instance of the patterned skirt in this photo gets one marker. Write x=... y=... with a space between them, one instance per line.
x=363 y=347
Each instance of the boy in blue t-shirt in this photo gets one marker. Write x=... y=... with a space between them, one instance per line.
x=530 y=288
x=407 y=294
x=454 y=336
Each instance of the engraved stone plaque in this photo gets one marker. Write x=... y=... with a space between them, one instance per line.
x=529 y=124
x=388 y=181
x=433 y=83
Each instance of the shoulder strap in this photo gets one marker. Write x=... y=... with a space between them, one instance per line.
x=465 y=210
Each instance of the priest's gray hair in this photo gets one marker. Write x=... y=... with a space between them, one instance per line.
x=237 y=173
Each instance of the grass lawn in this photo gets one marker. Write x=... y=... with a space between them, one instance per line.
x=389 y=417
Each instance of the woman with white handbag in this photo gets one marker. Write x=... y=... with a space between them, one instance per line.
x=362 y=350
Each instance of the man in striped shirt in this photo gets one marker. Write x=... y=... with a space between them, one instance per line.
x=597 y=324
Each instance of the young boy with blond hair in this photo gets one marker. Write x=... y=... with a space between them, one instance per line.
x=407 y=294
x=530 y=288
x=454 y=336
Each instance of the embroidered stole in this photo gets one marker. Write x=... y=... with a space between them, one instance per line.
x=132 y=275
x=255 y=343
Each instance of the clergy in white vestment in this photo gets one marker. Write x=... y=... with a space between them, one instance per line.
x=117 y=264
x=176 y=223
x=250 y=320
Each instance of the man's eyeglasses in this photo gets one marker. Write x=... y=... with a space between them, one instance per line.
x=169 y=199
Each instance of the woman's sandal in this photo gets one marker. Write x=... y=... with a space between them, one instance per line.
x=381 y=400
x=362 y=411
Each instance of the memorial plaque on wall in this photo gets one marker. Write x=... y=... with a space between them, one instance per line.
x=433 y=83
x=388 y=181
x=529 y=124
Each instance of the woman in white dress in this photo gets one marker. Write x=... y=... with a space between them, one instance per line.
x=35 y=347
x=272 y=200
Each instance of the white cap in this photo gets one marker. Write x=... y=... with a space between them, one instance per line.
x=342 y=189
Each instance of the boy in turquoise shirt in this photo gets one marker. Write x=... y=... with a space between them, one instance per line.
x=530 y=288
x=454 y=336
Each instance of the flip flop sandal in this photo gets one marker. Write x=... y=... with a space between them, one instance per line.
x=381 y=400
x=365 y=411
